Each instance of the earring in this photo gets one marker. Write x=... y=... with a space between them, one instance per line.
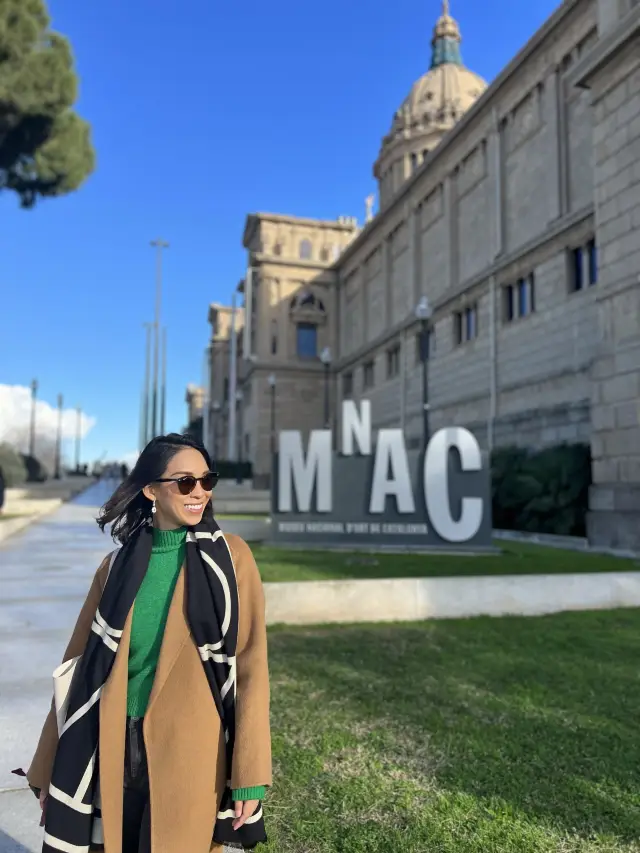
x=153 y=506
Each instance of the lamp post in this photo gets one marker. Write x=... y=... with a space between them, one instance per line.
x=158 y=245
x=78 y=437
x=271 y=379
x=145 y=430
x=239 y=396
x=163 y=386
x=216 y=408
x=424 y=313
x=32 y=430
x=57 y=473
x=325 y=358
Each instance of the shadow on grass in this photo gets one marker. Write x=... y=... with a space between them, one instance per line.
x=541 y=714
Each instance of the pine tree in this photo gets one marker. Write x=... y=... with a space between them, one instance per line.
x=45 y=147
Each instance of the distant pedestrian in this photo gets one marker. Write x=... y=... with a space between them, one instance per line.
x=169 y=702
x=124 y=471
x=2 y=490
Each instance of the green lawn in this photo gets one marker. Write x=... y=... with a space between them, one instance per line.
x=507 y=735
x=519 y=558
x=253 y=516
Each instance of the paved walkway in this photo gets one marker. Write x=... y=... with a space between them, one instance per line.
x=45 y=573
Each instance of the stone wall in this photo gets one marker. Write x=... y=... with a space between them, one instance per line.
x=612 y=72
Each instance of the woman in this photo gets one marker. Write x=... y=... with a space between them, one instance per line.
x=166 y=743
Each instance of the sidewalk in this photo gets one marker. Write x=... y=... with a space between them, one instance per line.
x=27 y=503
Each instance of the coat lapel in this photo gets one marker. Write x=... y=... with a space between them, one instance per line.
x=176 y=634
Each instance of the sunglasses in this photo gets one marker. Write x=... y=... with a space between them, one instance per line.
x=187 y=484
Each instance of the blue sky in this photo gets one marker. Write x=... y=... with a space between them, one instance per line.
x=202 y=112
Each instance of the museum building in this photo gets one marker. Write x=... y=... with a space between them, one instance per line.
x=508 y=227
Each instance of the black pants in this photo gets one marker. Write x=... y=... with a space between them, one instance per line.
x=136 y=814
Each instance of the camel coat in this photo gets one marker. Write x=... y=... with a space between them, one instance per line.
x=182 y=729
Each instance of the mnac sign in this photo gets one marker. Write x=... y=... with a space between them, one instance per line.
x=374 y=492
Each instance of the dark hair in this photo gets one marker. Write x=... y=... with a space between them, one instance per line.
x=128 y=507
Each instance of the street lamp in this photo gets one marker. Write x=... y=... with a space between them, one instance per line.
x=159 y=246
x=325 y=358
x=424 y=312
x=271 y=379
x=78 y=436
x=32 y=430
x=57 y=473
x=239 y=397
x=216 y=407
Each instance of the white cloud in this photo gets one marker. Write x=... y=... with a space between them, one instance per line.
x=15 y=419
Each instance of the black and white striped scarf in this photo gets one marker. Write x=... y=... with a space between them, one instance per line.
x=73 y=818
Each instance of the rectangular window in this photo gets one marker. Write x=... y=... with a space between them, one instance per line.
x=225 y=393
x=368 y=374
x=519 y=299
x=471 y=322
x=347 y=385
x=593 y=262
x=532 y=292
x=274 y=337
x=307 y=340
x=465 y=325
x=509 y=303
x=457 y=328
x=393 y=361
x=522 y=298
x=577 y=278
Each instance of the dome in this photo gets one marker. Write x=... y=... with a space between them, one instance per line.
x=434 y=105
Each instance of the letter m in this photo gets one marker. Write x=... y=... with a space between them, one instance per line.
x=303 y=474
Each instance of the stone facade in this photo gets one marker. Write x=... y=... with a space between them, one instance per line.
x=521 y=229
x=612 y=74
x=194 y=398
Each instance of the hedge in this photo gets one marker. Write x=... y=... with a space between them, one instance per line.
x=12 y=465
x=228 y=470
x=544 y=491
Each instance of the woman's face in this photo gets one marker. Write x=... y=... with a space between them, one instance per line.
x=173 y=509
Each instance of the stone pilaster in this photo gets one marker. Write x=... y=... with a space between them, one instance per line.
x=612 y=72
x=387 y=260
x=553 y=108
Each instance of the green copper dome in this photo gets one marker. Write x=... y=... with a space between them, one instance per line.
x=446 y=40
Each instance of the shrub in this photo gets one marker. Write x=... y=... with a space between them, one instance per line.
x=544 y=491
x=13 y=468
x=228 y=470
x=36 y=470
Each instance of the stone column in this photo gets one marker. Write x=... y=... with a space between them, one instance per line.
x=612 y=72
x=553 y=107
x=387 y=260
x=418 y=286
x=364 y=290
x=449 y=214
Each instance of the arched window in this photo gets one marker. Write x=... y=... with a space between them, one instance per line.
x=324 y=254
x=414 y=161
x=277 y=248
x=305 y=250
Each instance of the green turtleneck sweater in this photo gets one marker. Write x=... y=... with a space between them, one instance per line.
x=150 y=612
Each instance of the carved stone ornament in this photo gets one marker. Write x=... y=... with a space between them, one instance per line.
x=307 y=308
